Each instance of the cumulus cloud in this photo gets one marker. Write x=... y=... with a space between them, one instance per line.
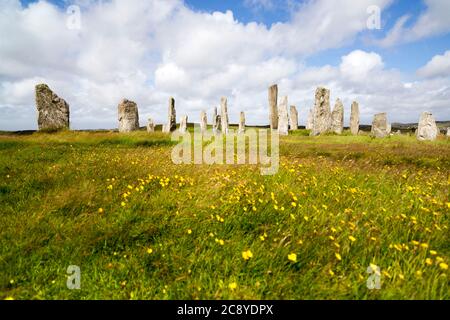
x=438 y=66
x=150 y=50
x=433 y=21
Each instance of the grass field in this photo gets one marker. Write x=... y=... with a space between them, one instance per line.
x=141 y=227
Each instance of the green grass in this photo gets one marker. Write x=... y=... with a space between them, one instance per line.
x=391 y=196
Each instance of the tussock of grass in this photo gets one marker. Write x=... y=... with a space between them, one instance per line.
x=384 y=202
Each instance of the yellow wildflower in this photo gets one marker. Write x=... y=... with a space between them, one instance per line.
x=232 y=285
x=292 y=257
x=247 y=255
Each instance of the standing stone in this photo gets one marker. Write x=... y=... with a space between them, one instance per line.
x=53 y=111
x=215 y=124
x=183 y=124
x=427 y=129
x=337 y=117
x=273 y=108
x=283 y=117
x=150 y=125
x=203 y=122
x=293 y=118
x=354 y=119
x=310 y=121
x=448 y=132
x=241 y=123
x=322 y=112
x=380 y=126
x=224 y=115
x=172 y=117
x=219 y=124
x=128 y=116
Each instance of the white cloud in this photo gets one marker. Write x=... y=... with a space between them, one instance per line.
x=438 y=66
x=432 y=22
x=149 y=50
x=359 y=64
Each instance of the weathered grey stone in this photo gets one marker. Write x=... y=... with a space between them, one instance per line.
x=293 y=119
x=241 y=123
x=337 y=117
x=203 y=122
x=380 y=126
x=273 y=108
x=150 y=125
x=172 y=117
x=322 y=112
x=224 y=115
x=283 y=117
x=219 y=124
x=354 y=119
x=183 y=124
x=448 y=132
x=310 y=120
x=128 y=116
x=53 y=111
x=215 y=123
x=427 y=129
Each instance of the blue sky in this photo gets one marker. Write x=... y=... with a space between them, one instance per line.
x=197 y=51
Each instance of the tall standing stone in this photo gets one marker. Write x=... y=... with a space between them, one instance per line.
x=203 y=122
x=224 y=115
x=219 y=124
x=283 y=117
x=427 y=129
x=380 y=126
x=241 y=123
x=354 y=119
x=53 y=111
x=322 y=112
x=337 y=117
x=215 y=123
x=293 y=119
x=310 y=120
x=183 y=124
x=448 y=133
x=273 y=108
x=172 y=117
x=150 y=125
x=128 y=116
